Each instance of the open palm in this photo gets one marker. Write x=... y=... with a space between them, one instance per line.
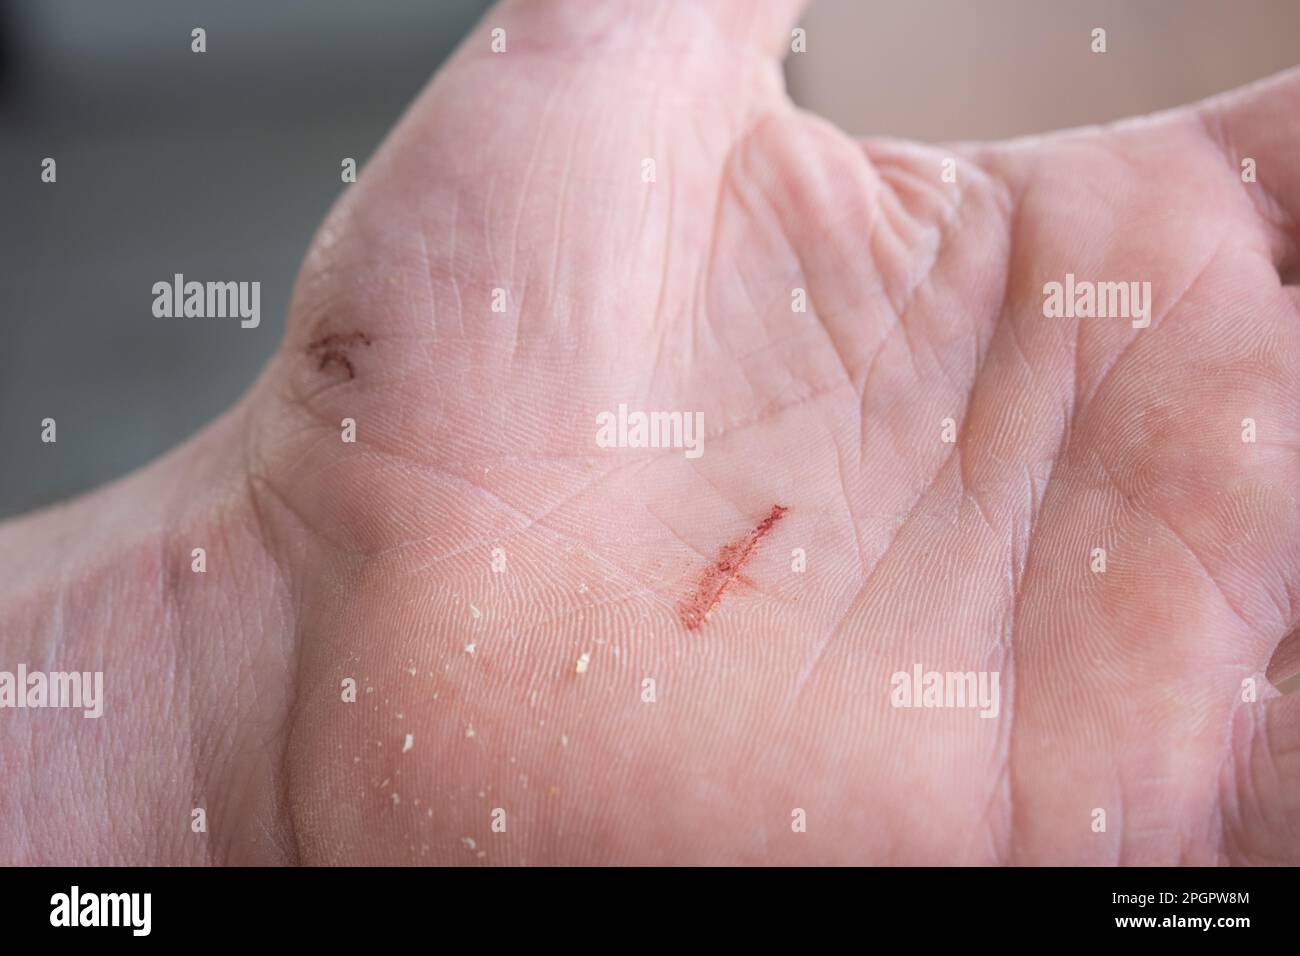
x=656 y=213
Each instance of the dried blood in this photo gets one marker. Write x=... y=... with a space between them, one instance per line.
x=724 y=571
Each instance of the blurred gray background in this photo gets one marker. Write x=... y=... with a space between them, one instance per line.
x=220 y=166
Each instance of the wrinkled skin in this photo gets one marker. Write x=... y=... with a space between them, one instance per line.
x=476 y=429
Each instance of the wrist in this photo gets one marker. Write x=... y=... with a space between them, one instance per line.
x=159 y=591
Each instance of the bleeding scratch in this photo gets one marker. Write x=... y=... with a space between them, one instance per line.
x=715 y=580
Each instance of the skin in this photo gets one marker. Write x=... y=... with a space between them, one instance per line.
x=475 y=431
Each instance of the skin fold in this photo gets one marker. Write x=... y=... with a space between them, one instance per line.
x=475 y=431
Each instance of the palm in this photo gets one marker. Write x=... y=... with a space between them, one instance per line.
x=476 y=431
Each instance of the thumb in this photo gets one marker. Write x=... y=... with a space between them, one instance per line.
x=1262 y=803
x=543 y=95
x=643 y=31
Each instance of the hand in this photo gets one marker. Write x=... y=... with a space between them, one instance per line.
x=946 y=461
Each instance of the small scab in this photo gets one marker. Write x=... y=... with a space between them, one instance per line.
x=332 y=350
x=334 y=357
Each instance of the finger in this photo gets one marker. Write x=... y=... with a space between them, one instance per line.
x=1261 y=802
x=1258 y=129
x=1285 y=663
